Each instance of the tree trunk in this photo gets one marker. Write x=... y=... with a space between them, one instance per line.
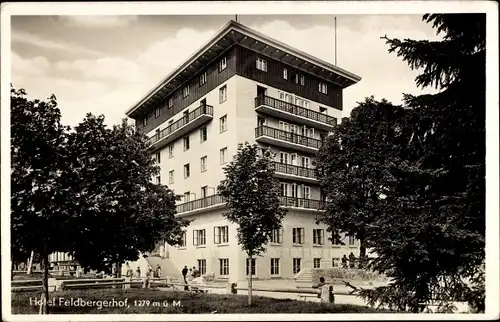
x=30 y=263
x=45 y=282
x=362 y=253
x=250 y=280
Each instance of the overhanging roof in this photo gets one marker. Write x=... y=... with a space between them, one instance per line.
x=235 y=33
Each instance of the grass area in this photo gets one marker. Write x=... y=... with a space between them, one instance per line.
x=148 y=301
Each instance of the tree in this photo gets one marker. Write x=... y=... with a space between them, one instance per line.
x=253 y=198
x=428 y=230
x=87 y=192
x=38 y=197
x=112 y=189
x=350 y=168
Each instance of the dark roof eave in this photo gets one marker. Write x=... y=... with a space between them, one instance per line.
x=145 y=103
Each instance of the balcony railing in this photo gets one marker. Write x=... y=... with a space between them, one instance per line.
x=294 y=170
x=295 y=109
x=202 y=110
x=219 y=200
x=200 y=203
x=301 y=203
x=287 y=136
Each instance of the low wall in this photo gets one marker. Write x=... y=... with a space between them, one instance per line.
x=337 y=274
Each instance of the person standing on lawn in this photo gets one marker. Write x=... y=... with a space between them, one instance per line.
x=326 y=291
x=344 y=261
x=196 y=272
x=158 y=270
x=352 y=260
x=184 y=275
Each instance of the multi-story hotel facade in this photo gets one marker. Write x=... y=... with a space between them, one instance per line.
x=241 y=87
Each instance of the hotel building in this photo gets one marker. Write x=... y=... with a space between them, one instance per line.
x=243 y=86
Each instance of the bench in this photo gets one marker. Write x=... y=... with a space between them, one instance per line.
x=305 y=296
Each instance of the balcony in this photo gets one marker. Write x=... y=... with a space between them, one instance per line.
x=217 y=202
x=269 y=135
x=293 y=172
x=182 y=127
x=203 y=204
x=294 y=113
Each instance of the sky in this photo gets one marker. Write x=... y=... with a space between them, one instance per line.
x=105 y=64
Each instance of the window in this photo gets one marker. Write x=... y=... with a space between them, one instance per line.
x=298 y=236
x=203 y=78
x=204 y=192
x=250 y=267
x=301 y=102
x=203 y=134
x=171 y=151
x=171 y=176
x=296 y=78
x=199 y=237
x=336 y=239
x=223 y=156
x=316 y=262
x=186 y=143
x=284 y=189
x=202 y=266
x=185 y=92
x=170 y=102
x=222 y=64
x=275 y=266
x=157 y=112
x=184 y=239
x=222 y=94
x=285 y=73
x=323 y=88
x=307 y=192
x=158 y=180
x=318 y=236
x=224 y=266
x=223 y=124
x=261 y=64
x=297 y=265
x=145 y=121
x=351 y=240
x=277 y=236
x=187 y=196
x=157 y=157
x=186 y=171
x=221 y=235
x=203 y=164
x=302 y=80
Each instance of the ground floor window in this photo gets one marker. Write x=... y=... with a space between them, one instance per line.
x=297 y=265
x=316 y=262
x=335 y=262
x=202 y=266
x=275 y=266
x=224 y=266
x=248 y=266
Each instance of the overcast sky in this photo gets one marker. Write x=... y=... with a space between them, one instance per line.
x=104 y=64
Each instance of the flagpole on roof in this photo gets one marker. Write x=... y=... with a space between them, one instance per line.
x=335 y=32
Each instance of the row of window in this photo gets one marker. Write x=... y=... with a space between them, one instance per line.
x=274 y=265
x=187 y=167
x=261 y=64
x=221 y=236
x=185 y=93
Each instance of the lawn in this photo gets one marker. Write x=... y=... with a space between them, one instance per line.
x=147 y=301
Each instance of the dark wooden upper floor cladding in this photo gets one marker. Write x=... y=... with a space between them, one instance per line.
x=196 y=91
x=246 y=67
x=242 y=61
